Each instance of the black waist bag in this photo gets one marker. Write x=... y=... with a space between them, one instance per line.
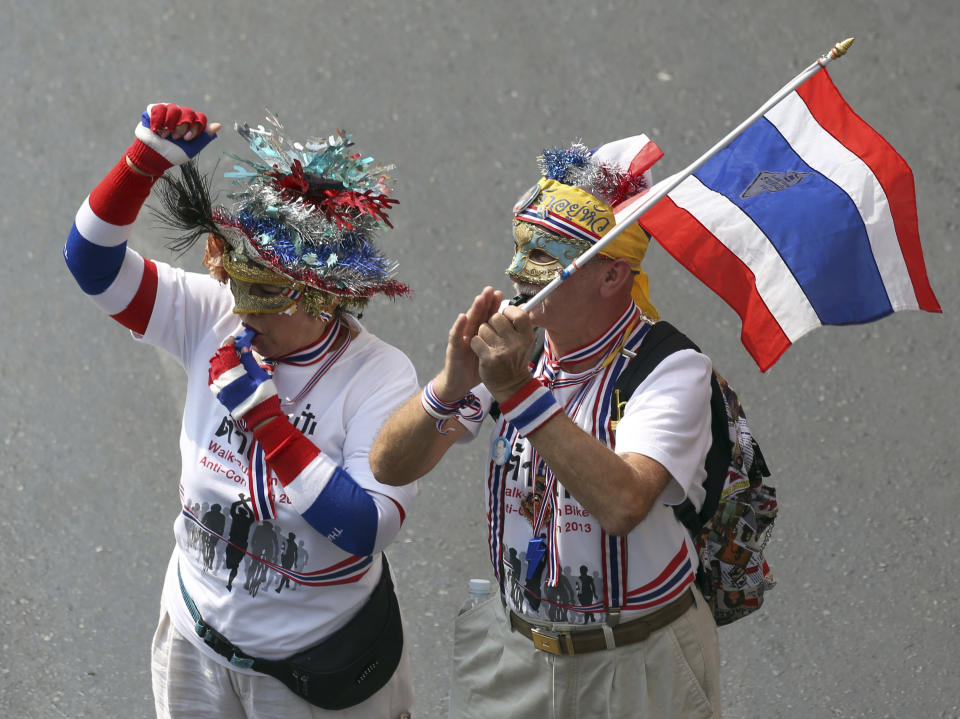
x=349 y=666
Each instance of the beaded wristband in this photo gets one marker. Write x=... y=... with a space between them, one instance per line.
x=530 y=408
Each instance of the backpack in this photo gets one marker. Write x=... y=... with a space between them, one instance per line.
x=734 y=524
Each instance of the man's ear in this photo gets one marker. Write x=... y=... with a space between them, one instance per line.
x=617 y=277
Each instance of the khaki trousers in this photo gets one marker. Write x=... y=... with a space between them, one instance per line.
x=187 y=684
x=675 y=672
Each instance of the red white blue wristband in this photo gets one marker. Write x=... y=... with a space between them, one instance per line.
x=436 y=407
x=530 y=408
x=466 y=408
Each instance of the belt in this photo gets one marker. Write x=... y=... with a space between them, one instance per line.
x=593 y=640
x=214 y=639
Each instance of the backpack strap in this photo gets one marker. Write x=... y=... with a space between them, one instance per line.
x=661 y=341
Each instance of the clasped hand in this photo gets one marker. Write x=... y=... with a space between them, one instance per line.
x=502 y=346
x=489 y=346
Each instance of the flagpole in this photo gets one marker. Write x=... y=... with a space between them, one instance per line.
x=664 y=187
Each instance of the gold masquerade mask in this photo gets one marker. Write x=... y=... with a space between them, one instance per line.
x=244 y=276
x=541 y=255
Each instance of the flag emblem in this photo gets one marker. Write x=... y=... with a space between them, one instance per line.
x=773 y=182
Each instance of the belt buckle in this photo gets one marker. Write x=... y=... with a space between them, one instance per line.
x=550 y=642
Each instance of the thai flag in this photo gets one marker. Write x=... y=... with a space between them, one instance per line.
x=807 y=218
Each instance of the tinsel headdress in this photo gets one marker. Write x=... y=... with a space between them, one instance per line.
x=306 y=210
x=604 y=172
x=613 y=173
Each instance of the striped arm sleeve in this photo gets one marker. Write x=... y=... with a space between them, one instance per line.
x=118 y=279
x=321 y=491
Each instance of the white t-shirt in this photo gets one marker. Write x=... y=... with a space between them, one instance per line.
x=584 y=569
x=313 y=587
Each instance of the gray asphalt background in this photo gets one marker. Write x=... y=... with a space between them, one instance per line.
x=859 y=424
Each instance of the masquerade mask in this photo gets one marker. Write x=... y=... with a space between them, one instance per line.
x=244 y=276
x=541 y=254
x=246 y=301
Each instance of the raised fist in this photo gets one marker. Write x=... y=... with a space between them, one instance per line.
x=176 y=133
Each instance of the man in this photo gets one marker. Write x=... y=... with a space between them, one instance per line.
x=285 y=393
x=582 y=488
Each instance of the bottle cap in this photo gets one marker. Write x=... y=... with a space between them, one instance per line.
x=479 y=586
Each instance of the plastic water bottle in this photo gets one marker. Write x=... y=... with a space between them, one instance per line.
x=479 y=593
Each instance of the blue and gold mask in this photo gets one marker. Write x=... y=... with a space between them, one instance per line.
x=541 y=255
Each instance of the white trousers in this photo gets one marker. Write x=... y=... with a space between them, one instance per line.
x=674 y=673
x=187 y=684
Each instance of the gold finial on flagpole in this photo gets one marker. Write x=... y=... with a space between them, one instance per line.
x=840 y=49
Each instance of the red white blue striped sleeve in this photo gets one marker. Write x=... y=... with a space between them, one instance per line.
x=324 y=493
x=118 y=279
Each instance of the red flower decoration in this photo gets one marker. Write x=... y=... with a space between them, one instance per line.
x=293 y=184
